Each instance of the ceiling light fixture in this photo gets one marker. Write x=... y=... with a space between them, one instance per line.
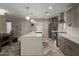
x=32 y=20
x=50 y=7
x=27 y=17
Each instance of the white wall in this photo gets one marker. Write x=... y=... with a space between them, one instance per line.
x=20 y=26
x=25 y=27
x=2 y=25
x=16 y=26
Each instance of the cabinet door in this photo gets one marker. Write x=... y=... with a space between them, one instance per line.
x=75 y=49
x=61 y=43
x=77 y=15
x=73 y=17
x=67 y=17
x=71 y=48
x=67 y=48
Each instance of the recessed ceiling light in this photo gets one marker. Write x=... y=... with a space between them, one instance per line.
x=50 y=7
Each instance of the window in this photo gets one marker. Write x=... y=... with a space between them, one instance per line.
x=9 y=27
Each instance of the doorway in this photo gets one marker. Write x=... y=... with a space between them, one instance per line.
x=9 y=26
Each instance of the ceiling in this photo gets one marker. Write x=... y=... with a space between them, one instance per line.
x=38 y=9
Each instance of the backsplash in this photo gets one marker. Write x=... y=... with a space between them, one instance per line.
x=62 y=27
x=74 y=31
x=69 y=30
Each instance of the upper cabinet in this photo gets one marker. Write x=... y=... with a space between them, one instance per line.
x=77 y=15
x=72 y=16
x=67 y=17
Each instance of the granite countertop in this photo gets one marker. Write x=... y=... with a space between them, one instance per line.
x=72 y=37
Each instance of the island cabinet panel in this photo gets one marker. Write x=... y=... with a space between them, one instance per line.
x=68 y=47
x=31 y=44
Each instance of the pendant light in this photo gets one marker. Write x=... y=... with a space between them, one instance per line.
x=27 y=17
x=32 y=18
x=34 y=22
x=62 y=18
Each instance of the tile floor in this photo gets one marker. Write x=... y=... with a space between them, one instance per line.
x=12 y=49
x=50 y=49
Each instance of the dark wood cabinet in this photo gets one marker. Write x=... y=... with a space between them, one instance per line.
x=53 y=26
x=68 y=47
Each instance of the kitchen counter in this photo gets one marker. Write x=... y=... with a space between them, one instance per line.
x=69 y=44
x=31 y=44
x=72 y=37
x=31 y=34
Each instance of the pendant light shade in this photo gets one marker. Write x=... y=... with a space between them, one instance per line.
x=32 y=20
x=27 y=17
x=62 y=18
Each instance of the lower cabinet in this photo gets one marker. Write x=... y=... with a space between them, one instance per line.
x=75 y=49
x=68 y=47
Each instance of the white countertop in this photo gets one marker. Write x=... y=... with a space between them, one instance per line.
x=72 y=37
x=31 y=34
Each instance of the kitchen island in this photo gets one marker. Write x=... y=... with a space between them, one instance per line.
x=31 y=44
